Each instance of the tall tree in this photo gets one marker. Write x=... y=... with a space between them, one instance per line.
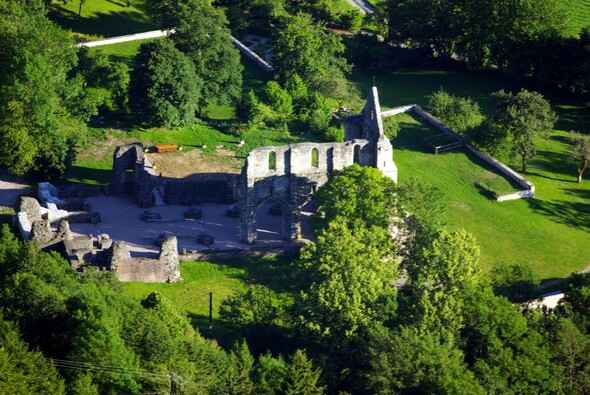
x=356 y=194
x=519 y=120
x=300 y=377
x=164 y=86
x=580 y=151
x=201 y=32
x=23 y=371
x=305 y=48
x=351 y=274
x=41 y=108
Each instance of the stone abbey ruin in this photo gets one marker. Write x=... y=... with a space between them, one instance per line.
x=285 y=176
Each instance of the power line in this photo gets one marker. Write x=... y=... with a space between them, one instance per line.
x=93 y=367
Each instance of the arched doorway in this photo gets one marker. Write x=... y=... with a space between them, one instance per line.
x=270 y=221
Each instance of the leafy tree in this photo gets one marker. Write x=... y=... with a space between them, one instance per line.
x=246 y=106
x=520 y=120
x=308 y=50
x=41 y=107
x=164 y=87
x=269 y=374
x=506 y=354
x=300 y=377
x=356 y=194
x=201 y=33
x=440 y=275
x=351 y=273
x=278 y=99
x=570 y=348
x=580 y=151
x=515 y=281
x=423 y=212
x=460 y=114
x=298 y=92
x=23 y=371
x=409 y=361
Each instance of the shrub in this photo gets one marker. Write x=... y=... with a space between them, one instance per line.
x=460 y=114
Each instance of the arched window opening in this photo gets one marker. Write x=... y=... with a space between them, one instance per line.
x=272 y=160
x=357 y=154
x=315 y=157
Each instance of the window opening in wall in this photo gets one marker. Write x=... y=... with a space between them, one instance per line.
x=357 y=154
x=272 y=160
x=315 y=157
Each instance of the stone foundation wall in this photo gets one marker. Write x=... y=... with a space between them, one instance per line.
x=164 y=269
x=528 y=187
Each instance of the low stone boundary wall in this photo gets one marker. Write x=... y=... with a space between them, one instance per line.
x=528 y=187
x=238 y=253
x=129 y=37
x=263 y=64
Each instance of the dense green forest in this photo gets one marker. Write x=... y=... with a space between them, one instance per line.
x=332 y=321
x=451 y=330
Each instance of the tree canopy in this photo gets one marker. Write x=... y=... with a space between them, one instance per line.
x=41 y=105
x=165 y=88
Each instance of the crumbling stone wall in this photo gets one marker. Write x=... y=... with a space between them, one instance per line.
x=204 y=189
x=289 y=176
x=164 y=269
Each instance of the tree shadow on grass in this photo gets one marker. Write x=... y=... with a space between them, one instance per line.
x=573 y=214
x=411 y=137
x=107 y=24
x=552 y=162
x=280 y=274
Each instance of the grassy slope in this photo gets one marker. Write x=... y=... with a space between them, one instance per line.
x=192 y=294
x=551 y=232
x=579 y=13
x=100 y=18
x=223 y=279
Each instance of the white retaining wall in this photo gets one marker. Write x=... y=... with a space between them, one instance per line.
x=528 y=187
x=129 y=37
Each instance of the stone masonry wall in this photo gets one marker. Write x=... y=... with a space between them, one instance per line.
x=164 y=269
x=528 y=187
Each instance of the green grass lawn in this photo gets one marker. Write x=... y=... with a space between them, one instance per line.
x=579 y=13
x=192 y=294
x=100 y=18
x=123 y=52
x=551 y=233
x=222 y=279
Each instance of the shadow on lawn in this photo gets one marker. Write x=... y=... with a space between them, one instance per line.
x=574 y=214
x=119 y=23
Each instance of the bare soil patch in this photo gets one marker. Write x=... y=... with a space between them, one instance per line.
x=182 y=164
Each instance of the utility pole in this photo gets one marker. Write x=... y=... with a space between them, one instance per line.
x=210 y=315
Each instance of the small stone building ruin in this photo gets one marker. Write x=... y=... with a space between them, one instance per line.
x=35 y=223
x=290 y=175
x=134 y=173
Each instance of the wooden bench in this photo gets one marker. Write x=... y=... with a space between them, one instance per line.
x=165 y=148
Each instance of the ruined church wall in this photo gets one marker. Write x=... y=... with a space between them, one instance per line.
x=296 y=159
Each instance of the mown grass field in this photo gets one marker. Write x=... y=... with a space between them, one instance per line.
x=550 y=232
x=579 y=13
x=101 y=18
x=222 y=279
